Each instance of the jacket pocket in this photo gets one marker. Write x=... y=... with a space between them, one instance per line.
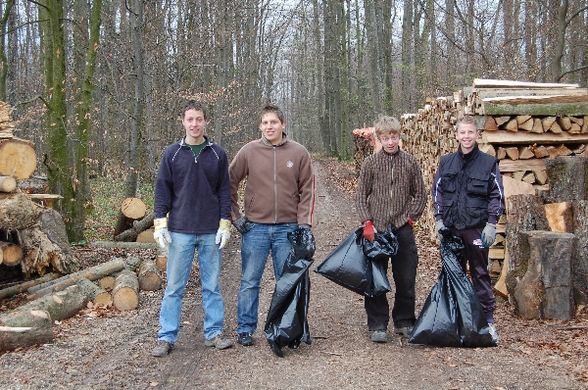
x=448 y=182
x=477 y=185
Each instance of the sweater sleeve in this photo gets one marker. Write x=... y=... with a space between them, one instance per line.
x=224 y=190
x=495 y=196
x=237 y=172
x=163 y=188
x=364 y=189
x=418 y=199
x=306 y=189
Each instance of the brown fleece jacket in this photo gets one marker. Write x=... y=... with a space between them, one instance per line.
x=390 y=189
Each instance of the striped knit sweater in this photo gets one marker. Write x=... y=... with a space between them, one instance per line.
x=390 y=190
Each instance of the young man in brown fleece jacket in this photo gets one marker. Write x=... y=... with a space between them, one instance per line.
x=391 y=194
x=279 y=197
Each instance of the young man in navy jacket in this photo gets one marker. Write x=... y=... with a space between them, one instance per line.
x=192 y=212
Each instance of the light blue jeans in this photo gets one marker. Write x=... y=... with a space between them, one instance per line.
x=179 y=266
x=256 y=245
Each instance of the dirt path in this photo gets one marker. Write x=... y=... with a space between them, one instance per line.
x=112 y=350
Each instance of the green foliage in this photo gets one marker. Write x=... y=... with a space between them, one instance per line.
x=107 y=195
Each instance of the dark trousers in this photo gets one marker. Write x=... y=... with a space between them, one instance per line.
x=404 y=265
x=476 y=258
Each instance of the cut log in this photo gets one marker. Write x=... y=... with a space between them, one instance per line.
x=7 y=184
x=22 y=287
x=146 y=236
x=512 y=126
x=579 y=149
x=547 y=122
x=149 y=276
x=11 y=254
x=61 y=305
x=529 y=177
x=125 y=294
x=22 y=329
x=564 y=123
x=522 y=119
x=92 y=273
x=575 y=129
x=46 y=247
x=545 y=292
x=133 y=208
x=18 y=212
x=525 y=153
x=501 y=153
x=527 y=125
x=560 y=217
x=490 y=124
x=17 y=158
x=107 y=282
x=46 y=200
x=133 y=263
x=567 y=178
x=534 y=109
x=561 y=150
x=585 y=125
x=555 y=128
x=580 y=259
x=505 y=137
x=541 y=176
x=34 y=185
x=540 y=151
x=512 y=153
x=501 y=120
x=537 y=126
x=500 y=286
x=138 y=227
x=161 y=262
x=96 y=294
x=524 y=212
x=518 y=175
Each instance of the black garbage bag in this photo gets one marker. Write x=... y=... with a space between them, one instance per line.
x=452 y=315
x=383 y=246
x=348 y=266
x=286 y=323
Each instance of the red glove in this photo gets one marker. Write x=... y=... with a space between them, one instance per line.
x=410 y=221
x=369 y=230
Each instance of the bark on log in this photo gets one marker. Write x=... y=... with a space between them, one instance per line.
x=123 y=245
x=138 y=227
x=61 y=305
x=92 y=273
x=133 y=263
x=34 y=185
x=125 y=294
x=95 y=293
x=568 y=178
x=149 y=276
x=11 y=254
x=545 y=290
x=7 y=184
x=46 y=246
x=22 y=287
x=18 y=211
x=17 y=158
x=580 y=259
x=524 y=213
x=25 y=328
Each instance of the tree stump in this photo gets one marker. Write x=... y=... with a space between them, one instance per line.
x=545 y=291
x=125 y=294
x=24 y=328
x=580 y=260
x=568 y=178
x=524 y=213
x=149 y=276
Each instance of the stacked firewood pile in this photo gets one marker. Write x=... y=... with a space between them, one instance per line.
x=526 y=126
x=115 y=283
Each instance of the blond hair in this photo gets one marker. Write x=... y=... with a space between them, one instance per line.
x=467 y=120
x=387 y=125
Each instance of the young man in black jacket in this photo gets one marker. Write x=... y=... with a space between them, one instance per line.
x=468 y=199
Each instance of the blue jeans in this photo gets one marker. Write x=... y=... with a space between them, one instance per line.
x=179 y=266
x=256 y=245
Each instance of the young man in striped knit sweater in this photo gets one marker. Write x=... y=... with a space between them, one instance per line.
x=391 y=194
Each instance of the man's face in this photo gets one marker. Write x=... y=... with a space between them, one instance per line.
x=390 y=142
x=194 y=124
x=466 y=135
x=271 y=127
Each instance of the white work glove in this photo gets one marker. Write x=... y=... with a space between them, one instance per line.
x=161 y=234
x=223 y=233
x=439 y=226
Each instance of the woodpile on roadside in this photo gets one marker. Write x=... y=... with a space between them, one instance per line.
x=537 y=131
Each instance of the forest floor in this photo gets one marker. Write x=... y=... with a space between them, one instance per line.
x=105 y=349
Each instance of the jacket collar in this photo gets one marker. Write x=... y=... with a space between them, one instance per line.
x=471 y=154
x=182 y=142
x=266 y=142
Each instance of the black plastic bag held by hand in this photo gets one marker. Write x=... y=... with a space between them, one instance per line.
x=286 y=323
x=452 y=315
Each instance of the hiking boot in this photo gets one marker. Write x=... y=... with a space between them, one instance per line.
x=219 y=343
x=403 y=331
x=162 y=348
x=379 y=336
x=493 y=333
x=245 y=339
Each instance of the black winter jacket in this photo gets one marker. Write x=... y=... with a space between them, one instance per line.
x=468 y=190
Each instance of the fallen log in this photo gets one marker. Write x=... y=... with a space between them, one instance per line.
x=61 y=305
x=123 y=245
x=17 y=158
x=95 y=293
x=92 y=273
x=138 y=227
x=161 y=262
x=149 y=276
x=125 y=294
x=22 y=287
x=25 y=328
x=18 y=211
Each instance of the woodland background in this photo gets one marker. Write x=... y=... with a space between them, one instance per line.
x=98 y=85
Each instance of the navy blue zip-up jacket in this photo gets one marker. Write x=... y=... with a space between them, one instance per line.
x=194 y=190
x=468 y=190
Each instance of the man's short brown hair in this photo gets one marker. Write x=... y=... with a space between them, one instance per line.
x=197 y=106
x=272 y=108
x=387 y=125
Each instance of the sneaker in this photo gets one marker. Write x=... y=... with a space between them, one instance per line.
x=403 y=331
x=163 y=348
x=493 y=333
x=245 y=339
x=219 y=343
x=379 y=336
